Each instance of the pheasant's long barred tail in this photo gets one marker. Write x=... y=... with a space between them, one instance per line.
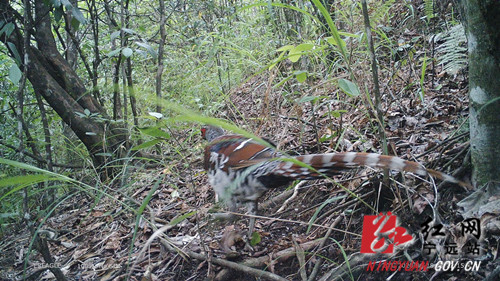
x=331 y=162
x=242 y=170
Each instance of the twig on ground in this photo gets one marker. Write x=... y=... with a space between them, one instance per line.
x=295 y=192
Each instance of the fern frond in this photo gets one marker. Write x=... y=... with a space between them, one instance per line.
x=452 y=52
x=429 y=9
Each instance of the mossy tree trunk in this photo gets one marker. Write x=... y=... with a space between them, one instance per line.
x=483 y=33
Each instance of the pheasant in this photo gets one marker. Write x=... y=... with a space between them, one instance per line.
x=241 y=169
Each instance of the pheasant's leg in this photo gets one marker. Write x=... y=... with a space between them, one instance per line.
x=252 y=210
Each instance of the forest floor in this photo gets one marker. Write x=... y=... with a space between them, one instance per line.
x=102 y=240
x=175 y=237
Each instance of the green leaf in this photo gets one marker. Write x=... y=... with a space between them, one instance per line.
x=275 y=61
x=282 y=82
x=67 y=4
x=347 y=34
x=143 y=44
x=115 y=35
x=75 y=23
x=302 y=48
x=56 y=3
x=285 y=48
x=346 y=258
x=337 y=113
x=333 y=29
x=332 y=41
x=255 y=238
x=295 y=53
x=148 y=47
x=128 y=30
x=127 y=52
x=326 y=138
x=86 y=111
x=349 y=88
x=177 y=220
x=21 y=182
x=307 y=99
x=58 y=13
x=154 y=132
x=7 y=29
x=146 y=144
x=114 y=52
x=15 y=74
x=422 y=78
x=25 y=180
x=77 y=14
x=301 y=76
x=13 y=49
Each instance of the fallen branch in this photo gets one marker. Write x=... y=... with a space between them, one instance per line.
x=265 y=260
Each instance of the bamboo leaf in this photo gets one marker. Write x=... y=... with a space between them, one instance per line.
x=177 y=220
x=146 y=144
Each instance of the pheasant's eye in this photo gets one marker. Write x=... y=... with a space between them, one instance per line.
x=203 y=131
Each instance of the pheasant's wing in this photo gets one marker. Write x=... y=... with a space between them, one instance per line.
x=238 y=152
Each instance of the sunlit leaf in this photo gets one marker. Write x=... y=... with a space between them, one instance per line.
x=148 y=47
x=301 y=76
x=146 y=144
x=332 y=41
x=15 y=74
x=127 y=52
x=25 y=179
x=128 y=30
x=115 y=35
x=295 y=53
x=349 y=88
x=255 y=238
x=285 y=48
x=156 y=114
x=114 y=52
x=144 y=45
x=337 y=113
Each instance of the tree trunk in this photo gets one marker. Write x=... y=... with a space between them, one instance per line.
x=53 y=78
x=482 y=28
